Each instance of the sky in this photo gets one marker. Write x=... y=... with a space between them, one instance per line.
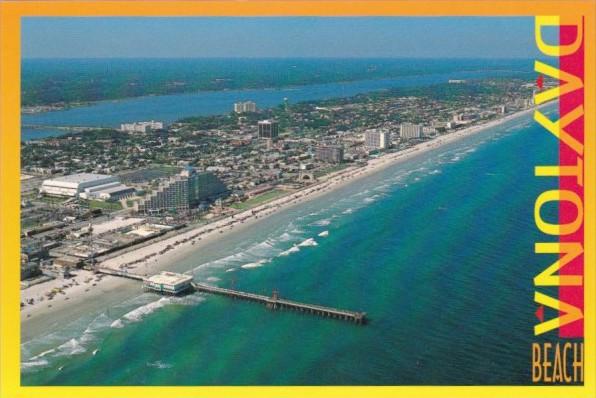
x=281 y=37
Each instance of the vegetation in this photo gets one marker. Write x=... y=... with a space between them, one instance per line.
x=259 y=199
x=99 y=204
x=61 y=81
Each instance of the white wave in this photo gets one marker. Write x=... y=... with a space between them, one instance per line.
x=260 y=251
x=71 y=347
x=39 y=357
x=117 y=324
x=370 y=199
x=435 y=171
x=74 y=345
x=101 y=322
x=191 y=299
x=28 y=366
x=322 y=223
x=285 y=237
x=324 y=234
x=160 y=365
x=308 y=242
x=227 y=261
x=348 y=211
x=293 y=249
x=382 y=188
x=256 y=264
x=138 y=313
x=213 y=279
x=231 y=270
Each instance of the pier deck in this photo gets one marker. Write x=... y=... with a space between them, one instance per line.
x=123 y=274
x=275 y=302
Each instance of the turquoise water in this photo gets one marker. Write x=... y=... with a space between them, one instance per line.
x=438 y=252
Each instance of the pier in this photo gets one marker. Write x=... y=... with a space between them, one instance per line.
x=275 y=302
x=122 y=274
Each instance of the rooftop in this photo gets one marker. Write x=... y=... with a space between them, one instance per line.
x=81 y=177
x=169 y=278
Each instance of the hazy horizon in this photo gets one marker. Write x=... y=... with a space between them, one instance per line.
x=278 y=37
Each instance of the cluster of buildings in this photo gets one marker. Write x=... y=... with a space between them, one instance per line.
x=181 y=171
x=64 y=246
x=179 y=193
x=245 y=107
x=141 y=127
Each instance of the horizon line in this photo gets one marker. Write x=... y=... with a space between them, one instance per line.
x=275 y=57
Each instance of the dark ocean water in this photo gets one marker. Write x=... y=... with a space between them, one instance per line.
x=438 y=252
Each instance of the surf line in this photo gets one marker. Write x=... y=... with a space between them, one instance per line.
x=559 y=286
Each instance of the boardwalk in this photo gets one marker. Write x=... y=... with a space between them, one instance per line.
x=275 y=302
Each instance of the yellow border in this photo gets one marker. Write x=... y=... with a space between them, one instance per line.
x=10 y=14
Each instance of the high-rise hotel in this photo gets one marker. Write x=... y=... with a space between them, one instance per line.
x=244 y=107
x=268 y=129
x=409 y=131
x=377 y=139
x=183 y=192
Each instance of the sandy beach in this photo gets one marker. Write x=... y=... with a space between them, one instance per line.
x=101 y=291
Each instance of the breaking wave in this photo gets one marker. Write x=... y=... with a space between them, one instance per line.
x=308 y=242
x=322 y=223
x=293 y=249
x=256 y=264
x=159 y=365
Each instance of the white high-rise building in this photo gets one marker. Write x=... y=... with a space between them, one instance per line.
x=243 y=107
x=141 y=127
x=378 y=139
x=409 y=131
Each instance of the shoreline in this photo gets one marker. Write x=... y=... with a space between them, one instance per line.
x=102 y=291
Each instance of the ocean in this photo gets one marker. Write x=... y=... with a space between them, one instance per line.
x=438 y=251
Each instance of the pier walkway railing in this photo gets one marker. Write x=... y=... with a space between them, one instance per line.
x=274 y=302
x=123 y=274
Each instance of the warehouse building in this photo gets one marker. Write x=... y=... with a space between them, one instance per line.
x=87 y=186
x=72 y=185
